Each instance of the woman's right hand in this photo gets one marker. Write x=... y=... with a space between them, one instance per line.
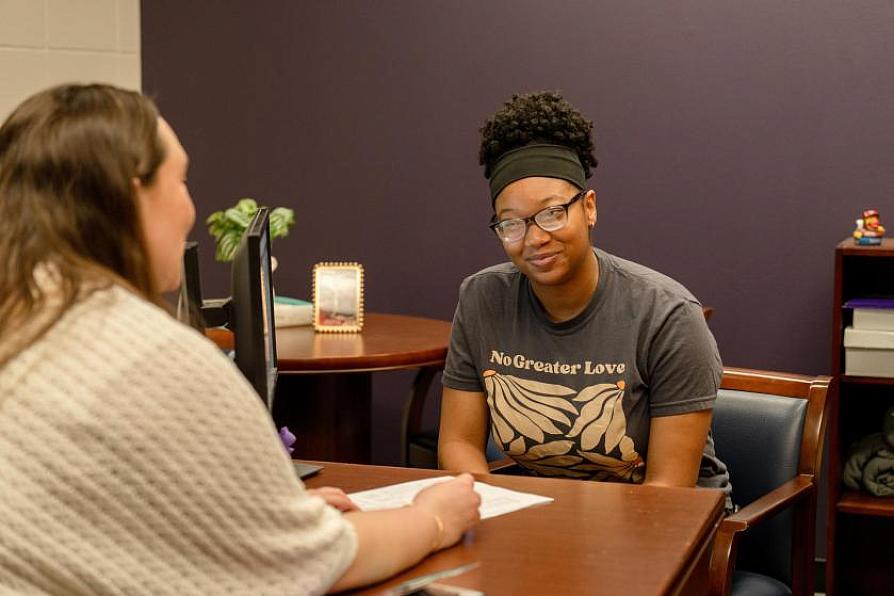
x=454 y=503
x=391 y=540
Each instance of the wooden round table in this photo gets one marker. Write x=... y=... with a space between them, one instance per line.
x=324 y=390
x=387 y=342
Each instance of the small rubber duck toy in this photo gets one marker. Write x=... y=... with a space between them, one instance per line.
x=869 y=228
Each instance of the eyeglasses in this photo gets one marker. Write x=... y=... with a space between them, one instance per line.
x=550 y=219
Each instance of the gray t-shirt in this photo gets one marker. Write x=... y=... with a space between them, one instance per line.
x=576 y=398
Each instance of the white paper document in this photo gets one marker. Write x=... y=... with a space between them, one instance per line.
x=494 y=500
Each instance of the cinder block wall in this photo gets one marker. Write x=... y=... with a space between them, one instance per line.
x=46 y=42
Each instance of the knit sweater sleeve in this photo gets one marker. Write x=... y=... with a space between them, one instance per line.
x=135 y=458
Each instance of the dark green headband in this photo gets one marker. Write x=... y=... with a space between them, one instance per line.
x=550 y=161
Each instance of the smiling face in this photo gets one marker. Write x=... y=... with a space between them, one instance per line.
x=549 y=258
x=167 y=212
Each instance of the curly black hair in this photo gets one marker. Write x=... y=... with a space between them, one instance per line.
x=543 y=117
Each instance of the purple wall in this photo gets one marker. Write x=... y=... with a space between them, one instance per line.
x=738 y=141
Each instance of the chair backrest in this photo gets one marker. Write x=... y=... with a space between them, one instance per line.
x=768 y=428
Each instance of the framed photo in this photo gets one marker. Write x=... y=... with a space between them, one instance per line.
x=338 y=297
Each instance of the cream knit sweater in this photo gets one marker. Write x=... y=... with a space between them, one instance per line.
x=136 y=459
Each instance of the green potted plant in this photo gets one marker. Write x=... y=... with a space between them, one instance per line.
x=228 y=226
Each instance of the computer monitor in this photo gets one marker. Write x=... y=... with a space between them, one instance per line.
x=252 y=319
x=189 y=303
x=248 y=312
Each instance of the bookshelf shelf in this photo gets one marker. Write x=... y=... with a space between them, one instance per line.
x=867 y=380
x=859 y=525
x=858 y=503
x=849 y=249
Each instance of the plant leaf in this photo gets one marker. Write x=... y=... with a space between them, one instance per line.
x=247 y=206
x=285 y=214
x=226 y=247
x=228 y=226
x=238 y=217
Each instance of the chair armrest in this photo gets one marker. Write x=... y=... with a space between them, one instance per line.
x=723 y=554
x=777 y=499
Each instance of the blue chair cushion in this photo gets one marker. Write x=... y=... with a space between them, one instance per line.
x=755 y=584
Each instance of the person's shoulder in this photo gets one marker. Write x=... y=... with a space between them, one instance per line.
x=130 y=313
x=491 y=279
x=643 y=281
x=172 y=357
x=130 y=323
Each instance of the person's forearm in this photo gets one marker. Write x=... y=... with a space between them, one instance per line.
x=388 y=542
x=675 y=482
x=458 y=456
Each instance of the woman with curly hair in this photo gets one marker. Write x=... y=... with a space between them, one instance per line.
x=579 y=363
x=134 y=457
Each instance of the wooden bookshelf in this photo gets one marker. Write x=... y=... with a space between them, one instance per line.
x=859 y=525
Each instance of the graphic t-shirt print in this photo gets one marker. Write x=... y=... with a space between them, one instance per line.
x=554 y=431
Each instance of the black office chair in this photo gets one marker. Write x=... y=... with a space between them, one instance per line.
x=420 y=446
x=768 y=428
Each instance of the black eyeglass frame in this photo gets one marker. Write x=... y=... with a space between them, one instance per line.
x=533 y=218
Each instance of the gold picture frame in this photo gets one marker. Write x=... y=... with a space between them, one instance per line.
x=338 y=297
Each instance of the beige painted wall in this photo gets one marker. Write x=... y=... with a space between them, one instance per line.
x=46 y=42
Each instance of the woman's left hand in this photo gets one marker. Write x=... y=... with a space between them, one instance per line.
x=334 y=497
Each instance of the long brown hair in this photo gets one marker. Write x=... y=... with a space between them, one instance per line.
x=68 y=206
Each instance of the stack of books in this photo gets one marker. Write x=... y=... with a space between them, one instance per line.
x=869 y=342
x=291 y=312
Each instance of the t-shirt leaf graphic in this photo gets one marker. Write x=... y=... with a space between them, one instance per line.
x=521 y=404
x=611 y=467
x=616 y=427
x=550 y=449
x=524 y=413
x=505 y=432
x=602 y=417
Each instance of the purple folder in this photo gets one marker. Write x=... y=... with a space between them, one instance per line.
x=870 y=303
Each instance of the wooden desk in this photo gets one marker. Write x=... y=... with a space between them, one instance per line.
x=595 y=538
x=324 y=391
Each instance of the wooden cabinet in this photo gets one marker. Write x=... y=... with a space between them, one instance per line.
x=860 y=547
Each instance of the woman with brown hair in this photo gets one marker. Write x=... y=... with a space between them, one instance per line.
x=134 y=458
